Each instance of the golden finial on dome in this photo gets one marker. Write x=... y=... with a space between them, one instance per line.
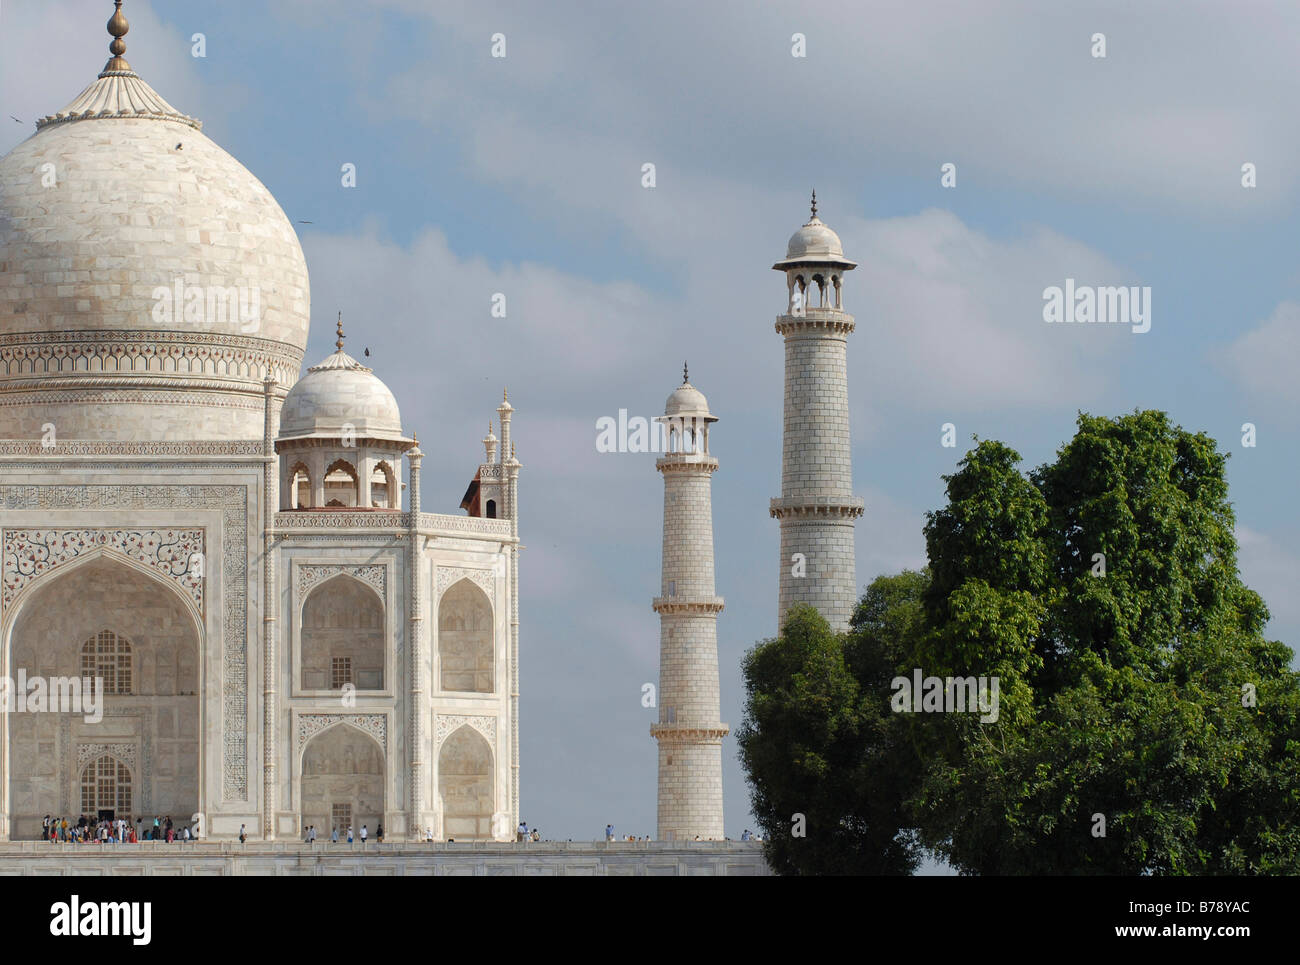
x=505 y=395
x=339 y=344
x=117 y=28
x=814 y=203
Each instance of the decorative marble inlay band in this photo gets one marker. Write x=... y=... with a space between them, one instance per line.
x=176 y=554
x=373 y=574
x=376 y=725
x=121 y=352
x=448 y=723
x=90 y=752
x=329 y=519
x=387 y=520
x=464 y=524
x=33 y=447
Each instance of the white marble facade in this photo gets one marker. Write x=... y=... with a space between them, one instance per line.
x=265 y=602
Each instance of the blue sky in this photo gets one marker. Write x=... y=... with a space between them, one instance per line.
x=522 y=175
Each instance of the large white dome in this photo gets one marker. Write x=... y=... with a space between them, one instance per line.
x=116 y=206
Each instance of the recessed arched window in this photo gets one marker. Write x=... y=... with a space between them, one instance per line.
x=106 y=786
x=491 y=511
x=108 y=656
x=343 y=636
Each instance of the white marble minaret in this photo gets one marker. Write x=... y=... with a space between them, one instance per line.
x=817 y=508
x=689 y=732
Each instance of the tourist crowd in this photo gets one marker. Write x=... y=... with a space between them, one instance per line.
x=88 y=830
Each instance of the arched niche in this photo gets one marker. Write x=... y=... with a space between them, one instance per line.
x=161 y=711
x=465 y=785
x=342 y=780
x=342 y=639
x=466 y=646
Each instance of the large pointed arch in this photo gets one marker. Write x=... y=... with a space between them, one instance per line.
x=160 y=723
x=466 y=785
x=342 y=771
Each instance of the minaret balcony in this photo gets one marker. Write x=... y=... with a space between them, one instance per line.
x=793 y=507
x=825 y=321
x=686 y=462
x=689 y=732
x=687 y=604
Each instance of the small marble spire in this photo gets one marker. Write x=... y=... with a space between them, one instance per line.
x=339 y=344
x=814 y=204
x=685 y=377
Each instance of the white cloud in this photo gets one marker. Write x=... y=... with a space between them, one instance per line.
x=1266 y=359
x=949 y=82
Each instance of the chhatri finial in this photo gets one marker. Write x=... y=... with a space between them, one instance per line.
x=814 y=203
x=685 y=376
x=505 y=394
x=117 y=28
x=339 y=344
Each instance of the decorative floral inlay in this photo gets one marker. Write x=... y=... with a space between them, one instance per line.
x=447 y=723
x=376 y=725
x=447 y=575
x=374 y=574
x=174 y=553
x=90 y=752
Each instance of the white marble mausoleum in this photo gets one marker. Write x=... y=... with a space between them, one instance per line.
x=236 y=548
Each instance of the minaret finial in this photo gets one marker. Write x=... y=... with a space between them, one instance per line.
x=505 y=394
x=117 y=28
x=685 y=376
x=814 y=203
x=339 y=344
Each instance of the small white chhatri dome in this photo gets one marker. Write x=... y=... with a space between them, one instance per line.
x=814 y=243
x=688 y=402
x=337 y=396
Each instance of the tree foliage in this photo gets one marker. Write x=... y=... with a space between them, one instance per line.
x=1102 y=591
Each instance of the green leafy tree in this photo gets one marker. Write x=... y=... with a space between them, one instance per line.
x=824 y=754
x=1145 y=724
x=1103 y=589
